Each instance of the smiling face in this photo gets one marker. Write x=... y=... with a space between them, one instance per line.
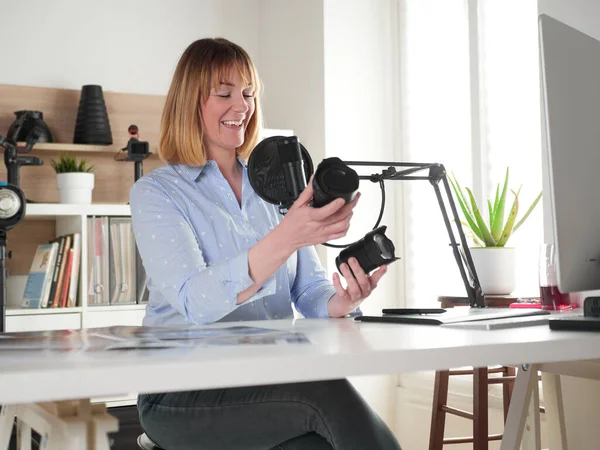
x=214 y=87
x=226 y=113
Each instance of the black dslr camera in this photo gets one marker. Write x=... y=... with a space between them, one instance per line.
x=334 y=179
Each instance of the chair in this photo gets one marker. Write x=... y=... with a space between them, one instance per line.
x=479 y=416
x=145 y=443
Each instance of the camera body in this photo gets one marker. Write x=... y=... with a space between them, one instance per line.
x=137 y=150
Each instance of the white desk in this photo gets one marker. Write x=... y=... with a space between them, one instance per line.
x=339 y=348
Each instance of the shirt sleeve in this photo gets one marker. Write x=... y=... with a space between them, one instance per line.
x=311 y=289
x=174 y=263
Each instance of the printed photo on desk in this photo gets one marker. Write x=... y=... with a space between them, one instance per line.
x=131 y=337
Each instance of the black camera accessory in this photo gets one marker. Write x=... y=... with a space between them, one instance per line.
x=372 y=251
x=137 y=151
x=12 y=211
x=12 y=206
x=278 y=168
x=13 y=155
x=333 y=179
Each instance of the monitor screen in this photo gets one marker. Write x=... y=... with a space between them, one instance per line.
x=570 y=75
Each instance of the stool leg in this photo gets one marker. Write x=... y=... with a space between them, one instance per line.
x=507 y=389
x=480 y=408
x=438 y=417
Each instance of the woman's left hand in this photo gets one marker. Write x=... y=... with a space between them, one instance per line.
x=360 y=286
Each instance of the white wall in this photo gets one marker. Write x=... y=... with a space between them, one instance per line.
x=291 y=67
x=130 y=46
x=362 y=114
x=361 y=123
x=581 y=397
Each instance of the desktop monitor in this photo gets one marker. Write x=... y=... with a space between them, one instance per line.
x=570 y=76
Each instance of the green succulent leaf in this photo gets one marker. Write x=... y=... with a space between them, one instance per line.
x=464 y=206
x=512 y=216
x=472 y=235
x=481 y=234
x=531 y=208
x=496 y=198
x=69 y=163
x=487 y=236
x=497 y=224
x=458 y=190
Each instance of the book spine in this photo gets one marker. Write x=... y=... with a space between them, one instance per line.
x=61 y=245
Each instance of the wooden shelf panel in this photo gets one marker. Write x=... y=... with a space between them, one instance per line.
x=114 y=308
x=64 y=147
x=53 y=210
x=41 y=311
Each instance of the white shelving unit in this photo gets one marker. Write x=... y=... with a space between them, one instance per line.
x=71 y=219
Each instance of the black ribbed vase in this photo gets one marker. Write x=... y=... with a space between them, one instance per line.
x=92 y=125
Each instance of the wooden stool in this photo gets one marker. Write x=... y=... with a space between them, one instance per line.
x=479 y=416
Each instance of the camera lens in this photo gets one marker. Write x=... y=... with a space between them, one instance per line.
x=372 y=251
x=333 y=179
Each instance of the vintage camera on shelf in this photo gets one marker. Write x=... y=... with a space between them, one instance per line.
x=136 y=150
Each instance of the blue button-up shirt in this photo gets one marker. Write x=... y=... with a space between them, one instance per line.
x=194 y=237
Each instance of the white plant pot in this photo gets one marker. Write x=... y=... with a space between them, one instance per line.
x=495 y=268
x=75 y=187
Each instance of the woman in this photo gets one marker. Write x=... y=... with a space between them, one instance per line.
x=214 y=251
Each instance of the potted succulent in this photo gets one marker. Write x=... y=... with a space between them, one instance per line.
x=74 y=178
x=494 y=261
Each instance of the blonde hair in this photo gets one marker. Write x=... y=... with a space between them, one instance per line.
x=203 y=65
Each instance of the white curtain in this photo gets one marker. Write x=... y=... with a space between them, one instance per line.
x=437 y=120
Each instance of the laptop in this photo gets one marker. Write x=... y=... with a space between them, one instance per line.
x=456 y=315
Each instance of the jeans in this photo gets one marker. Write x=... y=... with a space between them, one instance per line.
x=323 y=415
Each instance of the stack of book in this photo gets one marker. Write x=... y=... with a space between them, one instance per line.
x=54 y=274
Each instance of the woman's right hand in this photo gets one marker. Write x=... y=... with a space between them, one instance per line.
x=305 y=226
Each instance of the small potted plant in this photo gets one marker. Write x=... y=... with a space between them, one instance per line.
x=494 y=262
x=74 y=178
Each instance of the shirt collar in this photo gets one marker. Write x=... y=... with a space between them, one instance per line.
x=194 y=172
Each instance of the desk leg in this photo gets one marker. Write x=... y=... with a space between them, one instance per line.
x=23 y=436
x=555 y=414
x=532 y=439
x=513 y=430
x=7 y=420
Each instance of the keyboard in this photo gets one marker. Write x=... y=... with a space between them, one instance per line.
x=575 y=323
x=501 y=324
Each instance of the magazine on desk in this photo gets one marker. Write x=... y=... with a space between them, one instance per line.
x=134 y=337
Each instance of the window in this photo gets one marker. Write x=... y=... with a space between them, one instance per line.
x=441 y=124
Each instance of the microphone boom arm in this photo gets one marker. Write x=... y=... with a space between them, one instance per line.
x=437 y=173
